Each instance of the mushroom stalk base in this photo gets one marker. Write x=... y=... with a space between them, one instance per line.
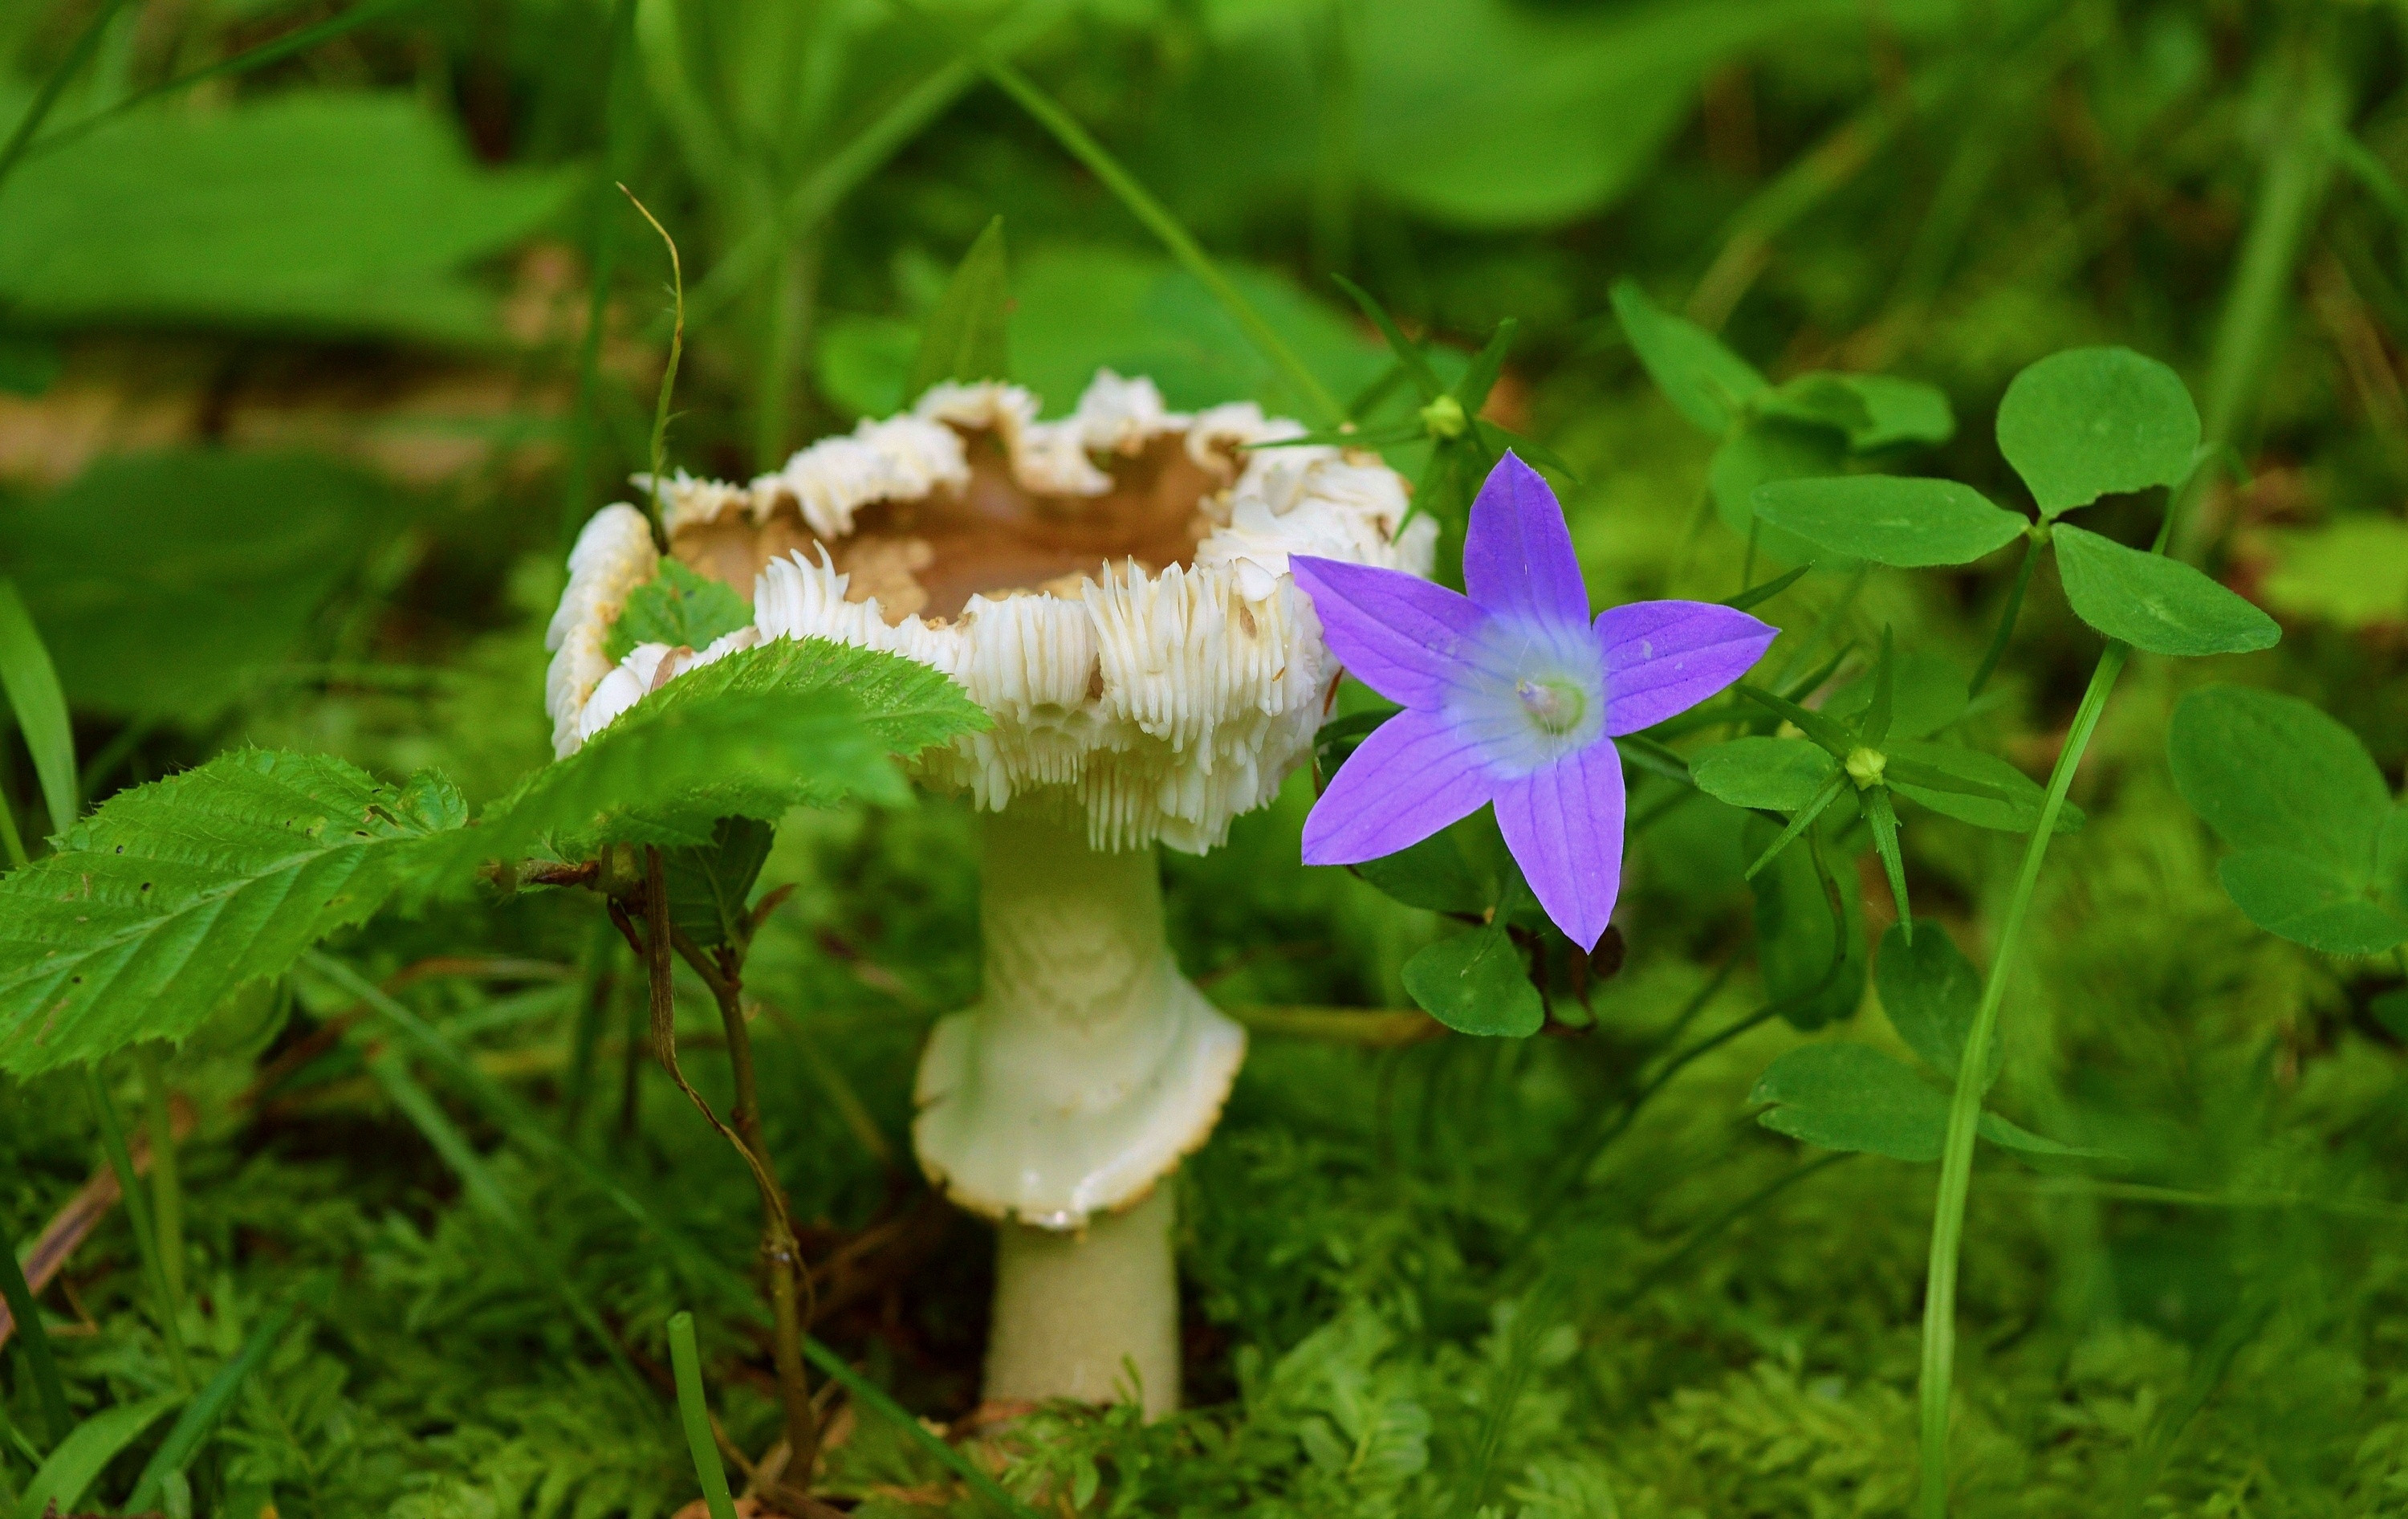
x=1084 y=1314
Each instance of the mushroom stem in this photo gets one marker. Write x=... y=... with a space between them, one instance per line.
x=1063 y=1101
x=1078 y=1314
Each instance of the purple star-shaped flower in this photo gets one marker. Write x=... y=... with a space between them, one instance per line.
x=1511 y=695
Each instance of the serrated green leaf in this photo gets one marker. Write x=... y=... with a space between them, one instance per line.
x=1780 y=774
x=678 y=607
x=1476 y=983
x=2093 y=422
x=710 y=888
x=1705 y=381
x=793 y=722
x=1889 y=519
x=2155 y=603
x=965 y=339
x=2008 y=800
x=173 y=895
x=1931 y=992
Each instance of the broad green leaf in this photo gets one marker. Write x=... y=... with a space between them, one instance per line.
x=1434 y=875
x=2270 y=771
x=966 y=337
x=1705 y=381
x=2093 y=422
x=1901 y=412
x=1767 y=449
x=1851 y=1097
x=1926 y=695
x=1989 y=793
x=710 y=887
x=1931 y=991
x=2308 y=902
x=1780 y=774
x=1889 y=519
x=2155 y=603
x=71 y=1470
x=1854 y=1097
x=168 y=584
x=40 y=710
x=793 y=723
x=315 y=211
x=1814 y=970
x=1476 y=983
x=173 y=895
x=678 y=607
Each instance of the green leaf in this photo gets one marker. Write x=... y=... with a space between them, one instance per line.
x=2093 y=422
x=1705 y=381
x=1819 y=399
x=1813 y=969
x=2353 y=572
x=2155 y=603
x=2270 y=771
x=967 y=338
x=1476 y=983
x=1881 y=814
x=40 y=709
x=793 y=722
x=1927 y=693
x=192 y=1427
x=1889 y=519
x=1931 y=992
x=678 y=607
x=2309 y=901
x=1899 y=411
x=1434 y=875
x=79 y=1459
x=1854 y=1097
x=314 y=211
x=710 y=888
x=1851 y=1097
x=1767 y=449
x=1780 y=774
x=174 y=895
x=1973 y=787
x=168 y=584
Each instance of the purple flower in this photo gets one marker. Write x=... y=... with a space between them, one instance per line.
x=1511 y=695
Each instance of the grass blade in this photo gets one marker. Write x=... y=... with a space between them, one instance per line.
x=192 y=1426
x=86 y=42
x=20 y=1296
x=138 y=1213
x=33 y=685
x=695 y=1414
x=873 y=1396
x=80 y=1458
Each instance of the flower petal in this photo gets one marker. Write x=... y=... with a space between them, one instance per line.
x=1564 y=826
x=1395 y=633
x=1411 y=778
x=1517 y=554
x=1663 y=657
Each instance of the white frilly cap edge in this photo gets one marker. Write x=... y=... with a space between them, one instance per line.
x=1161 y=703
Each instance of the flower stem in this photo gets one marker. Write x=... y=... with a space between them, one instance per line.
x=137 y=1215
x=166 y=1186
x=2007 y=616
x=1965 y=1106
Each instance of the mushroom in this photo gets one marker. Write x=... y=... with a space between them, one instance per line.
x=1112 y=587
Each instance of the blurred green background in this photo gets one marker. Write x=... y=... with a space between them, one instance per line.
x=322 y=327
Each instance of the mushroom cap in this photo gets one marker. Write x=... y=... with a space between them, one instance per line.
x=1112 y=587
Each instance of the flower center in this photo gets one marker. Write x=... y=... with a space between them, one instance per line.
x=1555 y=706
